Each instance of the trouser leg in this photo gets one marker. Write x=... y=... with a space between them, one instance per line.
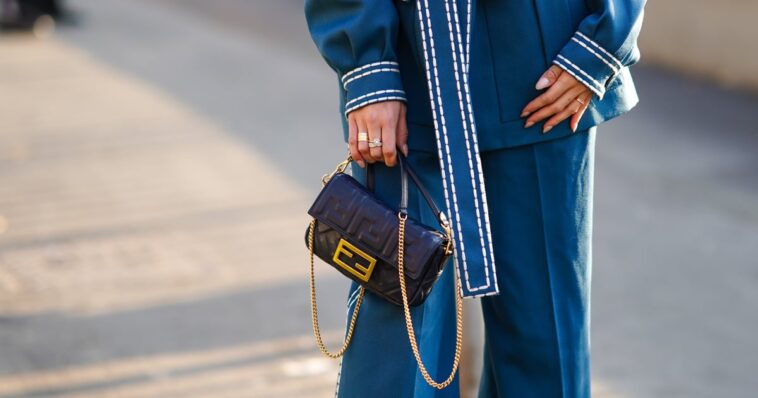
x=537 y=328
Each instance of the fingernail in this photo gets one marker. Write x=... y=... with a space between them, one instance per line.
x=546 y=129
x=405 y=150
x=525 y=113
x=528 y=124
x=361 y=163
x=542 y=83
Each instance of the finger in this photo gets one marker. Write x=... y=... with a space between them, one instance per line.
x=569 y=110
x=546 y=80
x=558 y=104
x=363 y=145
x=549 y=77
x=561 y=85
x=575 y=118
x=352 y=141
x=402 y=132
x=375 y=132
x=389 y=150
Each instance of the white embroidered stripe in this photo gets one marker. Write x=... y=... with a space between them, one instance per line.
x=440 y=127
x=585 y=74
x=371 y=65
x=371 y=101
x=603 y=50
x=348 y=103
x=458 y=56
x=610 y=65
x=480 y=172
x=369 y=72
x=572 y=73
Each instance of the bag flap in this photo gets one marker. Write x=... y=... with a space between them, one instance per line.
x=372 y=226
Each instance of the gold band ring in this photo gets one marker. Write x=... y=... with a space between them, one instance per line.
x=579 y=100
x=362 y=136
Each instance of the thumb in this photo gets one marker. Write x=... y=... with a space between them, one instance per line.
x=549 y=77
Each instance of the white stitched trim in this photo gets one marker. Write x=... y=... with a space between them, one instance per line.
x=455 y=33
x=374 y=93
x=371 y=71
x=371 y=101
x=480 y=172
x=585 y=74
x=614 y=59
x=590 y=86
x=371 y=65
x=610 y=65
x=440 y=122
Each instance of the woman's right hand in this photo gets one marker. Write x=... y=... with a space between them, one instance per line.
x=383 y=120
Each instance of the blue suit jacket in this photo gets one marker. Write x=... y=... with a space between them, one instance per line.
x=376 y=50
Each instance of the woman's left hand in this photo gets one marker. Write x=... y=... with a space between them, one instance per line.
x=565 y=97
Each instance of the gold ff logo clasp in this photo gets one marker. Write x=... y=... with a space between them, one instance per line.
x=361 y=270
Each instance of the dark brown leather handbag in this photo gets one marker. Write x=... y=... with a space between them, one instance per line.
x=380 y=248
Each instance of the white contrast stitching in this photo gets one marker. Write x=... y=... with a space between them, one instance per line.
x=374 y=93
x=480 y=172
x=371 y=65
x=613 y=67
x=587 y=75
x=371 y=101
x=613 y=58
x=371 y=71
x=590 y=86
x=456 y=55
x=440 y=121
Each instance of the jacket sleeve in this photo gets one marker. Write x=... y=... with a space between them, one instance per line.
x=357 y=39
x=604 y=43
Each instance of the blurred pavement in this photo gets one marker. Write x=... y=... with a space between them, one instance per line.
x=156 y=163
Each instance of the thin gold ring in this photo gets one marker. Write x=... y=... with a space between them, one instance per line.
x=579 y=100
x=375 y=143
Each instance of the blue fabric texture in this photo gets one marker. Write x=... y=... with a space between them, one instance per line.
x=537 y=328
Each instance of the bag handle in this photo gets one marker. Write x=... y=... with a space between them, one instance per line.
x=407 y=171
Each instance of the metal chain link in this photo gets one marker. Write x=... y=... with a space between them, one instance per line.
x=314 y=307
x=409 y=322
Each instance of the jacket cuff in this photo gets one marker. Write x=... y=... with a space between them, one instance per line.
x=588 y=62
x=370 y=83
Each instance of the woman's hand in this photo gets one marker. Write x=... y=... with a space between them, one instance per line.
x=384 y=121
x=565 y=97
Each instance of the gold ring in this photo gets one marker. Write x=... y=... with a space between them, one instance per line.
x=579 y=100
x=375 y=143
x=362 y=136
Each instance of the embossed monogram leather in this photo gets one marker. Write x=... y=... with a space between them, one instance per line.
x=347 y=211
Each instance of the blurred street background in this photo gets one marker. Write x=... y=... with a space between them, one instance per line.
x=157 y=158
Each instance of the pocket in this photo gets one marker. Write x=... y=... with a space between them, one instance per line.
x=517 y=51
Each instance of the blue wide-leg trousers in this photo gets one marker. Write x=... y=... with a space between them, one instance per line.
x=537 y=328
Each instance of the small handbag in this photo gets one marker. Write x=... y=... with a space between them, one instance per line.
x=380 y=248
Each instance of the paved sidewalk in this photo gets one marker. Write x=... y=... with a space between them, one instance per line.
x=155 y=164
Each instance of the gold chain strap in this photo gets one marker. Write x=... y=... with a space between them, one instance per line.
x=314 y=307
x=409 y=321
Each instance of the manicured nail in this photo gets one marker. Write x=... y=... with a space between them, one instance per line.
x=525 y=113
x=546 y=129
x=405 y=150
x=528 y=124
x=361 y=163
x=542 y=83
